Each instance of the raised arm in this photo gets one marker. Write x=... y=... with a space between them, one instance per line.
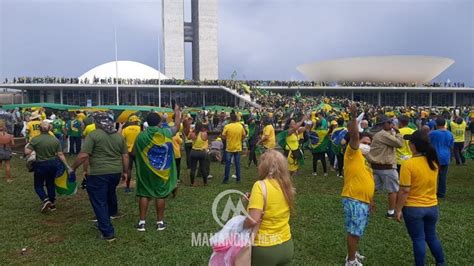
x=353 y=128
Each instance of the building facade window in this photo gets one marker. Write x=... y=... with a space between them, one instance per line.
x=442 y=99
x=392 y=98
x=418 y=98
x=368 y=97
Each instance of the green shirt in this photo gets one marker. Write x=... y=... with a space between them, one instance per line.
x=45 y=146
x=58 y=126
x=105 y=151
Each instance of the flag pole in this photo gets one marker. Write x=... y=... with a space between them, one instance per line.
x=159 y=70
x=116 y=67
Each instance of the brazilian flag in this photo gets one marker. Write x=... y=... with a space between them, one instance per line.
x=337 y=136
x=156 y=168
x=65 y=182
x=318 y=140
x=412 y=126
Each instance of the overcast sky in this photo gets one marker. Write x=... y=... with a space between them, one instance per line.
x=260 y=39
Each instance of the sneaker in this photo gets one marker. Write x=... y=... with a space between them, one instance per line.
x=109 y=238
x=160 y=226
x=46 y=206
x=314 y=174
x=52 y=207
x=94 y=220
x=140 y=227
x=209 y=177
x=234 y=176
x=117 y=216
x=390 y=216
x=325 y=174
x=359 y=257
x=355 y=262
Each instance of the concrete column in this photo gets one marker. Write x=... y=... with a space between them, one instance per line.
x=136 y=97
x=22 y=96
x=324 y=93
x=170 y=97
x=352 y=95
x=454 y=99
x=379 y=98
x=203 y=98
x=431 y=99
x=61 y=95
x=41 y=99
x=99 y=98
x=405 y=99
x=173 y=38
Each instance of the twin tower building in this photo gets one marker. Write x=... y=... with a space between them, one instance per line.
x=201 y=31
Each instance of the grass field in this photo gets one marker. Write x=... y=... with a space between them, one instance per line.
x=67 y=237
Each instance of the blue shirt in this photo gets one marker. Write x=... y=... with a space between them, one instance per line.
x=432 y=124
x=443 y=141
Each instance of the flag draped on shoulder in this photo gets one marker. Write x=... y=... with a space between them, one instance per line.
x=281 y=138
x=337 y=136
x=65 y=182
x=155 y=165
x=318 y=140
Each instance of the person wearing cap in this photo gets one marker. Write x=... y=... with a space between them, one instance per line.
x=443 y=142
x=383 y=160
x=33 y=126
x=358 y=190
x=233 y=133
x=130 y=134
x=6 y=143
x=107 y=154
x=417 y=202
x=47 y=151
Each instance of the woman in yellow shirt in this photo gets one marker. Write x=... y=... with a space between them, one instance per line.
x=417 y=199
x=273 y=244
x=177 y=142
x=199 y=152
x=292 y=143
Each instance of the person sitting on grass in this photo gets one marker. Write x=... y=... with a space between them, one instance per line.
x=358 y=190
x=417 y=199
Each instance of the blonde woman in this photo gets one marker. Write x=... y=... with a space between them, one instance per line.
x=273 y=243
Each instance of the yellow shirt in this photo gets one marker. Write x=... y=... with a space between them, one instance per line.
x=234 y=133
x=177 y=141
x=130 y=134
x=89 y=128
x=200 y=144
x=417 y=174
x=269 y=131
x=274 y=228
x=292 y=142
x=404 y=153
x=81 y=116
x=459 y=131
x=33 y=128
x=358 y=179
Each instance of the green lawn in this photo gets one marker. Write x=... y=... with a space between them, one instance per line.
x=67 y=237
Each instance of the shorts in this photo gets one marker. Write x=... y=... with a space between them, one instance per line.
x=356 y=216
x=387 y=180
x=5 y=154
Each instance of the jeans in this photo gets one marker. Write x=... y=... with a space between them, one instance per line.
x=178 y=165
x=421 y=226
x=203 y=159
x=252 y=154
x=74 y=145
x=101 y=190
x=187 y=149
x=442 y=176
x=340 y=163
x=228 y=161
x=458 y=146
x=319 y=156
x=44 y=174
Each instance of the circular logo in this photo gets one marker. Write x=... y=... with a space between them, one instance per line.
x=233 y=206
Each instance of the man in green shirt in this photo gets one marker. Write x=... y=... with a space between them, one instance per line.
x=74 y=132
x=48 y=153
x=107 y=153
x=59 y=130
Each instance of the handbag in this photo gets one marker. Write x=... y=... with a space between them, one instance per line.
x=244 y=257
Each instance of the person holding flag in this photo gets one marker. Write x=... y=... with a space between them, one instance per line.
x=155 y=166
x=318 y=145
x=337 y=144
x=288 y=140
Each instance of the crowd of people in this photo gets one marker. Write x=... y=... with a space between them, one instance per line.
x=252 y=83
x=405 y=152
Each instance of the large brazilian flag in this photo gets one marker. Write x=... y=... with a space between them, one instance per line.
x=318 y=140
x=155 y=165
x=65 y=182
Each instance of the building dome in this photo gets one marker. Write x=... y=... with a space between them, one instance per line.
x=126 y=70
x=403 y=69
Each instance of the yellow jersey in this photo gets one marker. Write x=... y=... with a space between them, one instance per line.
x=200 y=144
x=422 y=181
x=404 y=153
x=269 y=131
x=292 y=142
x=33 y=128
x=88 y=129
x=358 y=179
x=80 y=116
x=458 y=130
x=130 y=134
x=177 y=141
x=234 y=134
x=275 y=227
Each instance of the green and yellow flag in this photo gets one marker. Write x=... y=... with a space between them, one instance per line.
x=155 y=165
x=65 y=183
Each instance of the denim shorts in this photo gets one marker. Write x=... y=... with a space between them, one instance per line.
x=356 y=215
